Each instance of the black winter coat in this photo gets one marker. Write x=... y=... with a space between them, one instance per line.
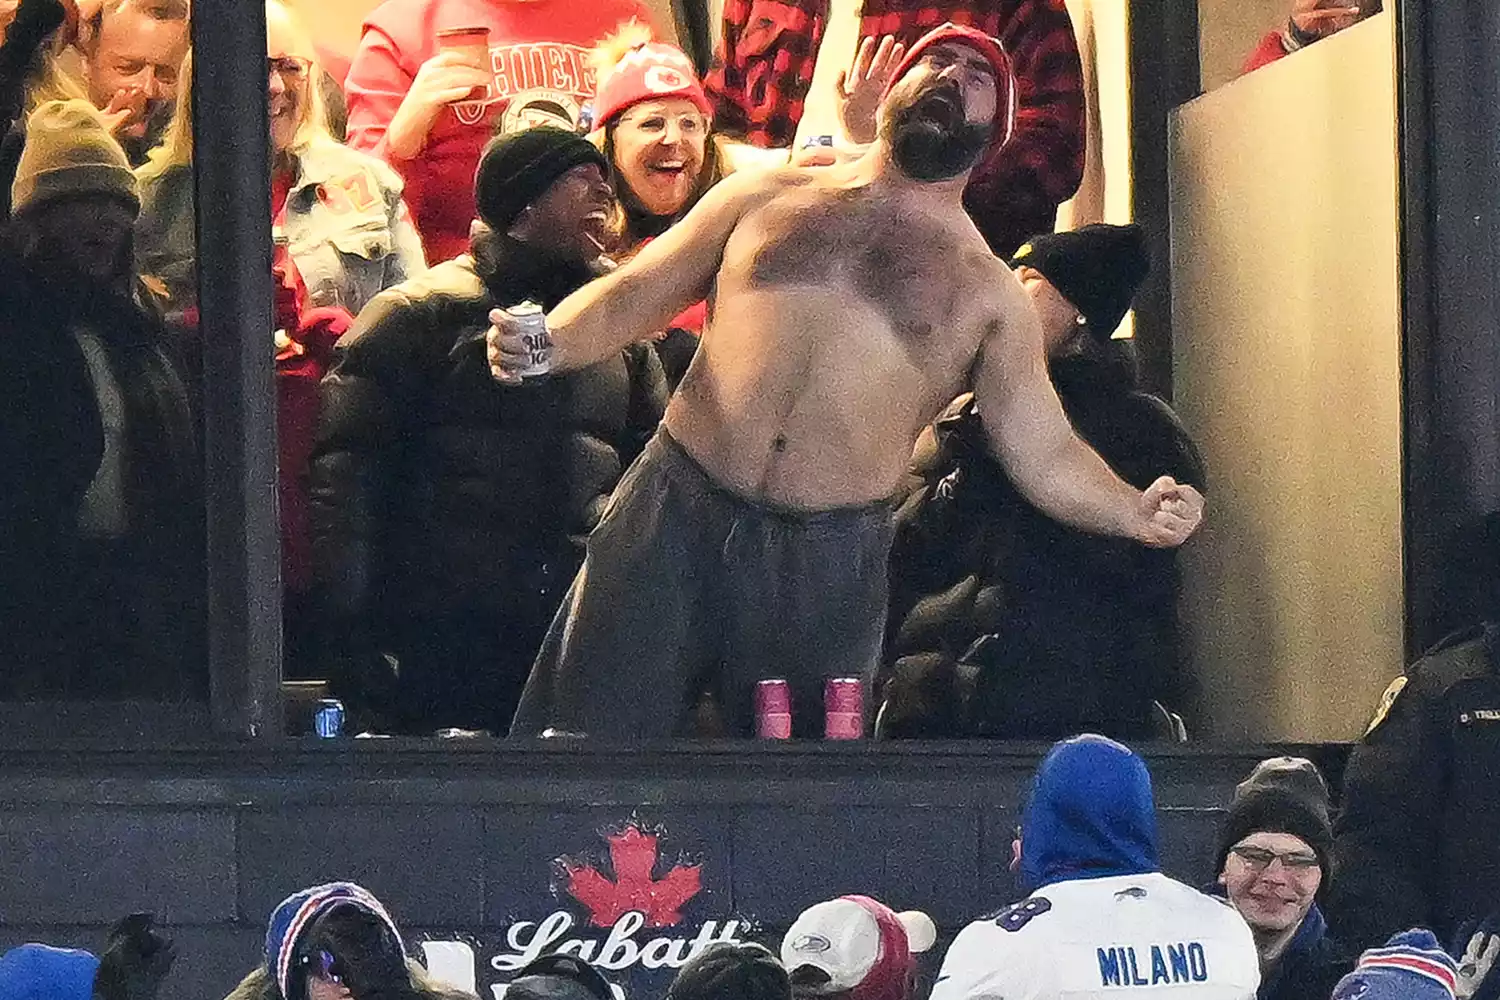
x=1416 y=840
x=1007 y=624
x=94 y=612
x=441 y=496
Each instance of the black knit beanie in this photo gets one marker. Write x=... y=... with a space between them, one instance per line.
x=518 y=168
x=1097 y=268
x=732 y=971
x=1282 y=795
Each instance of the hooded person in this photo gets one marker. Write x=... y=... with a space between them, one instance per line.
x=1100 y=915
x=855 y=948
x=42 y=972
x=136 y=959
x=1004 y=622
x=336 y=942
x=448 y=512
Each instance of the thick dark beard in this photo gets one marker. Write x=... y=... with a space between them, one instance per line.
x=929 y=139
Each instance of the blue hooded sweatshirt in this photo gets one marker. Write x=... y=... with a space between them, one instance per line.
x=41 y=972
x=1090 y=815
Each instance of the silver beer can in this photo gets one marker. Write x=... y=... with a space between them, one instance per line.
x=533 y=319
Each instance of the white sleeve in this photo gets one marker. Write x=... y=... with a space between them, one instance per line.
x=986 y=963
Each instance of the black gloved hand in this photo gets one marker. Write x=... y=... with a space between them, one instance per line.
x=136 y=959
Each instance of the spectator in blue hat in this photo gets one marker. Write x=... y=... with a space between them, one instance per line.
x=1411 y=966
x=135 y=961
x=41 y=972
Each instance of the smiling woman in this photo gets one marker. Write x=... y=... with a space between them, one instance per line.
x=654 y=124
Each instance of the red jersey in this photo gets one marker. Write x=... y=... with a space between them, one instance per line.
x=539 y=54
x=1270 y=49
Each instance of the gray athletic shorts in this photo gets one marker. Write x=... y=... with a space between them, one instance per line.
x=688 y=588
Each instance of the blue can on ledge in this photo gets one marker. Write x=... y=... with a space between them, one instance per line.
x=328 y=720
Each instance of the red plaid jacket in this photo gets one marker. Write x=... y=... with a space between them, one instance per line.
x=765 y=67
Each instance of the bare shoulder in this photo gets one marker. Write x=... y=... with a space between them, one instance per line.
x=749 y=188
x=999 y=302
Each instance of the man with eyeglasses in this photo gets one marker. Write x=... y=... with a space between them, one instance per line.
x=1273 y=859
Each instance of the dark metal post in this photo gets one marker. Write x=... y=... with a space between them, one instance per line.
x=1164 y=73
x=234 y=263
x=1449 y=83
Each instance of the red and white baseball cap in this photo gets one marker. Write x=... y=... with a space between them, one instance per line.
x=647 y=71
x=863 y=948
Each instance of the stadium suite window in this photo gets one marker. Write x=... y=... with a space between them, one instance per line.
x=141 y=581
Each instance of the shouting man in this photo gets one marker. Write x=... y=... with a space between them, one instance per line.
x=849 y=305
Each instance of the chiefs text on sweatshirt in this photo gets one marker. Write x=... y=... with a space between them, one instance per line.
x=539 y=55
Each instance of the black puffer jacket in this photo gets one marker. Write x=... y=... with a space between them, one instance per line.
x=1005 y=623
x=438 y=493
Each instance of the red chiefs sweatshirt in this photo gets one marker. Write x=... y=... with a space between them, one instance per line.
x=539 y=53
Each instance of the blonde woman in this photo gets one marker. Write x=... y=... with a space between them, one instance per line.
x=33 y=34
x=337 y=212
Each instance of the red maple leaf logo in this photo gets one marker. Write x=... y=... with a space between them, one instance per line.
x=632 y=854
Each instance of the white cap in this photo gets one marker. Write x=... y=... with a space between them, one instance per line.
x=841 y=937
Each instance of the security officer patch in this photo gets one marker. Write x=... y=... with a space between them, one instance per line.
x=1387 y=700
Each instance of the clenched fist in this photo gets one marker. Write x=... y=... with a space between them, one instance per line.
x=1169 y=512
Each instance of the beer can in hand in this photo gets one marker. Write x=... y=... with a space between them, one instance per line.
x=328 y=720
x=533 y=319
x=844 y=708
x=773 y=710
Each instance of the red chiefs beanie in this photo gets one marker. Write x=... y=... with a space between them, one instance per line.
x=994 y=54
x=647 y=72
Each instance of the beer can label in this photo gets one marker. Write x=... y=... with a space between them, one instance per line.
x=538 y=341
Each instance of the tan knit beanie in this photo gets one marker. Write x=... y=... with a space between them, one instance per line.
x=69 y=153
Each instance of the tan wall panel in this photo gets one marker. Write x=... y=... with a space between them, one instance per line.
x=1287 y=370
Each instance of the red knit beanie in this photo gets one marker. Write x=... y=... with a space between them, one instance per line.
x=647 y=71
x=994 y=54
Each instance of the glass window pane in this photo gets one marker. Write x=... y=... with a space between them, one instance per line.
x=102 y=577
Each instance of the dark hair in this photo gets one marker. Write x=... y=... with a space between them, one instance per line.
x=732 y=971
x=371 y=957
x=559 y=977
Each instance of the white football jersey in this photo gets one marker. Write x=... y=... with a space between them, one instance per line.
x=1125 y=935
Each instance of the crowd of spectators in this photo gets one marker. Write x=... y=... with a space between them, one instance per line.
x=1099 y=915
x=431 y=516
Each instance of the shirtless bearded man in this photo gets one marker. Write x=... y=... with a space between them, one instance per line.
x=849 y=304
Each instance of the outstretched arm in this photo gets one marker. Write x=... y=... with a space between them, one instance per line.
x=1029 y=432
x=674 y=271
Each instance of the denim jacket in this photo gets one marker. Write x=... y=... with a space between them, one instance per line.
x=344 y=224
